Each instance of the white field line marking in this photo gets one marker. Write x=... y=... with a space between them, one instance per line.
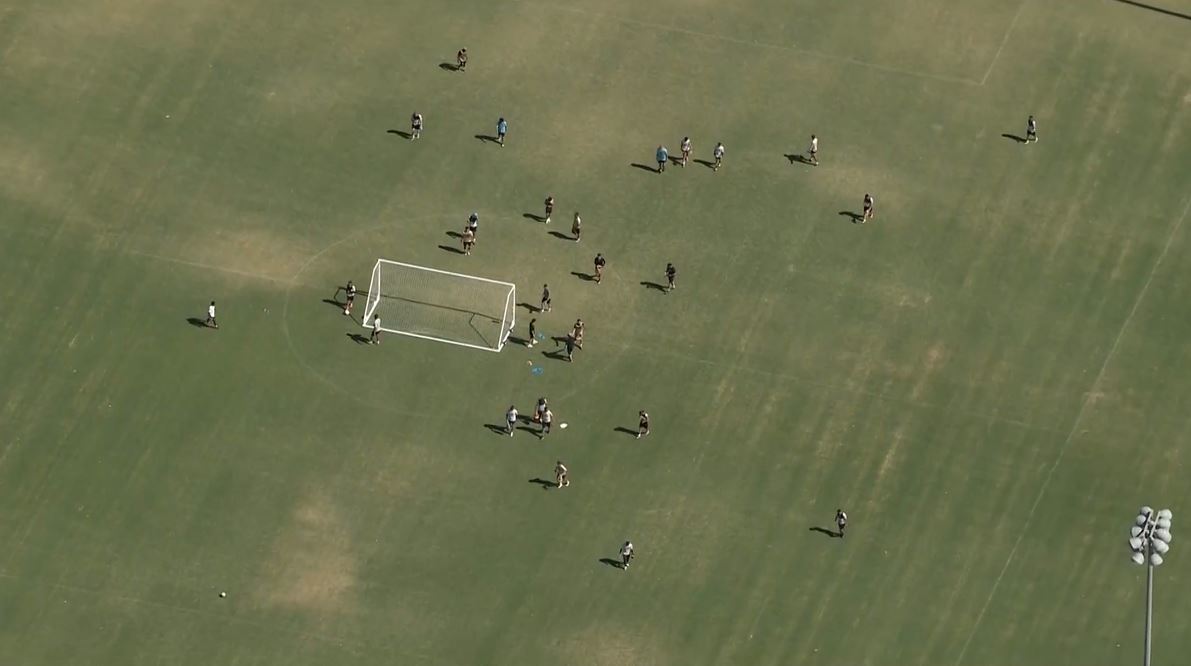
x=764 y=45
x=1004 y=41
x=1091 y=395
x=211 y=267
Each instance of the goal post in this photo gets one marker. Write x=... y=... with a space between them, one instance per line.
x=431 y=304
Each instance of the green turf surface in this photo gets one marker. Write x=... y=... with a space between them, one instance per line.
x=990 y=378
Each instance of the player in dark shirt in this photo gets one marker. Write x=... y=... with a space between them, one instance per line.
x=350 y=290
x=841 y=521
x=549 y=208
x=600 y=262
x=533 y=333
x=671 y=273
x=869 y=212
x=1031 y=130
x=642 y=423
x=545 y=306
x=461 y=60
x=415 y=126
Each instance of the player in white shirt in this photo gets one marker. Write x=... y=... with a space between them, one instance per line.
x=869 y=212
x=718 y=154
x=813 y=151
x=841 y=521
x=547 y=421
x=560 y=475
x=1031 y=130
x=626 y=555
x=211 y=316
x=686 y=151
x=577 y=227
x=350 y=296
x=375 y=337
x=510 y=420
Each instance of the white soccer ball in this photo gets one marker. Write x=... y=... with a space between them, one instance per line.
x=223 y=595
x=562 y=425
x=346 y=311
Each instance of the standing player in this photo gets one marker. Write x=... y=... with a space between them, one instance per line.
x=686 y=150
x=461 y=60
x=841 y=521
x=560 y=475
x=600 y=262
x=549 y=208
x=569 y=341
x=533 y=333
x=415 y=126
x=577 y=333
x=350 y=291
x=671 y=273
x=545 y=306
x=211 y=316
x=577 y=227
x=718 y=154
x=473 y=223
x=1031 y=130
x=547 y=420
x=663 y=156
x=626 y=555
x=540 y=409
x=469 y=240
x=642 y=423
x=813 y=151
x=511 y=420
x=869 y=212
x=502 y=128
x=374 y=339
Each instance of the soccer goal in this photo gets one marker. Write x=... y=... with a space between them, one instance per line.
x=438 y=305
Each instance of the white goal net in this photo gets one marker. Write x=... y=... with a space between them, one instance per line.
x=438 y=305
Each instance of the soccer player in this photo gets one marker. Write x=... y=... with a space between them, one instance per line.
x=374 y=339
x=663 y=156
x=547 y=420
x=813 y=151
x=671 y=273
x=549 y=208
x=545 y=306
x=1031 y=130
x=540 y=409
x=350 y=290
x=560 y=475
x=533 y=333
x=511 y=420
x=473 y=223
x=626 y=555
x=461 y=60
x=600 y=262
x=841 y=521
x=869 y=212
x=569 y=341
x=577 y=331
x=469 y=240
x=686 y=150
x=415 y=126
x=642 y=423
x=577 y=227
x=211 y=316
x=502 y=128
x=718 y=154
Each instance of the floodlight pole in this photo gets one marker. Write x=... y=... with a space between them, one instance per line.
x=1149 y=602
x=1150 y=539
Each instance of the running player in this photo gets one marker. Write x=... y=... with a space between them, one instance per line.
x=560 y=475
x=540 y=409
x=718 y=154
x=671 y=273
x=1031 y=130
x=211 y=316
x=415 y=126
x=600 y=262
x=813 y=151
x=511 y=420
x=569 y=341
x=350 y=291
x=469 y=240
x=663 y=156
x=841 y=521
x=577 y=333
x=686 y=150
x=626 y=555
x=869 y=212
x=533 y=333
x=547 y=420
x=502 y=128
x=642 y=423
x=375 y=337
x=577 y=227
x=545 y=306
x=461 y=60
x=549 y=208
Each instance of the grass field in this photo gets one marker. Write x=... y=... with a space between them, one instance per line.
x=990 y=378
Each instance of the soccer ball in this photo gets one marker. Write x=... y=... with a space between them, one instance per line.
x=346 y=311
x=562 y=425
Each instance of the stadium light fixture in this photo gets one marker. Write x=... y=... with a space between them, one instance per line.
x=1149 y=539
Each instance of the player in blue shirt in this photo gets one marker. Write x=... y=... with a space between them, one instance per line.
x=663 y=157
x=502 y=128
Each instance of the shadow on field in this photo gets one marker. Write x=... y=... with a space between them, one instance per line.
x=337 y=304
x=527 y=306
x=454 y=234
x=535 y=218
x=403 y=135
x=498 y=429
x=643 y=167
x=1014 y=137
x=546 y=485
x=196 y=322
x=559 y=234
x=627 y=431
x=709 y=165
x=557 y=355
x=610 y=562
x=855 y=217
x=653 y=285
x=517 y=341
x=799 y=159
x=485 y=138
x=451 y=248
x=823 y=530
x=586 y=277
x=1152 y=8
x=357 y=338
x=448 y=66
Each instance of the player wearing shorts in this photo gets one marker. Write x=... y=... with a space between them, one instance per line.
x=671 y=273
x=560 y=475
x=642 y=423
x=1031 y=130
x=569 y=341
x=577 y=333
x=461 y=60
x=415 y=126
x=511 y=420
x=350 y=291
x=599 y=267
x=869 y=211
x=469 y=240
x=375 y=337
x=549 y=208
x=547 y=421
x=841 y=521
x=211 y=316
x=626 y=555
x=813 y=151
x=533 y=333
x=663 y=156
x=545 y=306
x=686 y=150
x=577 y=227
x=502 y=128
x=718 y=154
x=540 y=409
x=473 y=223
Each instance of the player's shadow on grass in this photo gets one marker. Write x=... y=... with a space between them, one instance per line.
x=486 y=138
x=498 y=429
x=653 y=285
x=644 y=167
x=535 y=218
x=533 y=309
x=403 y=135
x=855 y=217
x=357 y=338
x=586 y=277
x=611 y=562
x=1014 y=137
x=196 y=322
x=448 y=66
x=627 y=431
x=451 y=248
x=709 y=165
x=559 y=234
x=516 y=340
x=546 y=485
x=557 y=355
x=824 y=530
x=455 y=234
x=799 y=159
